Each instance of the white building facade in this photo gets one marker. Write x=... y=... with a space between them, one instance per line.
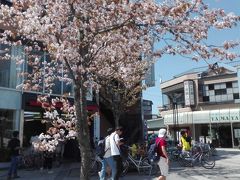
x=206 y=103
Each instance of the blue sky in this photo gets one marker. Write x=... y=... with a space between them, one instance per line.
x=168 y=66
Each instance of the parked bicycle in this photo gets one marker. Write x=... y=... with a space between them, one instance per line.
x=141 y=164
x=31 y=161
x=200 y=154
x=213 y=150
x=95 y=165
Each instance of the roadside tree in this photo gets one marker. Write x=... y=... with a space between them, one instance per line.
x=87 y=40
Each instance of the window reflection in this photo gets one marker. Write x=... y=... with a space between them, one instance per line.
x=5 y=65
x=15 y=65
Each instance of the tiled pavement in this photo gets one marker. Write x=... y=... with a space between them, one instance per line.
x=227 y=167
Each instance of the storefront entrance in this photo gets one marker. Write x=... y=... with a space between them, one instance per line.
x=221 y=135
x=32 y=128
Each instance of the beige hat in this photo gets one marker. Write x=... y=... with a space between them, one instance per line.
x=162 y=132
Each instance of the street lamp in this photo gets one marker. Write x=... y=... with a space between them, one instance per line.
x=175 y=118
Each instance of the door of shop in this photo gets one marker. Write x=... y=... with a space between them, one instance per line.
x=225 y=138
x=222 y=135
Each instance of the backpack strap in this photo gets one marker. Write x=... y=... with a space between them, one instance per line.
x=105 y=144
x=157 y=144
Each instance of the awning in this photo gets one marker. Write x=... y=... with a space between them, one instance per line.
x=155 y=124
x=91 y=107
x=173 y=88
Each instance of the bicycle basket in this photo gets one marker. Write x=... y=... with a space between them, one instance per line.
x=196 y=149
x=205 y=147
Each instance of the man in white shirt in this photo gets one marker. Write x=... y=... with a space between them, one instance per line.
x=115 y=144
x=107 y=158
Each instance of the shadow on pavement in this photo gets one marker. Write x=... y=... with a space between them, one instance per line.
x=226 y=154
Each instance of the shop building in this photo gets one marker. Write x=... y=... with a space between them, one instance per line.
x=205 y=102
x=19 y=109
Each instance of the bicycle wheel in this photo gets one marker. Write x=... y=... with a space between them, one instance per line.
x=20 y=162
x=174 y=155
x=207 y=161
x=185 y=160
x=125 y=164
x=38 y=161
x=28 y=162
x=145 y=167
x=213 y=151
x=95 y=167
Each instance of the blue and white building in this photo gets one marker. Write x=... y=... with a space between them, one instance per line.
x=206 y=102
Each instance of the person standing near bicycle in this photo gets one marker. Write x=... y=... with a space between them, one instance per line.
x=107 y=159
x=185 y=142
x=163 y=162
x=115 y=143
x=14 y=146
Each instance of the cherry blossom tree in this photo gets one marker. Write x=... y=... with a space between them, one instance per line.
x=120 y=94
x=61 y=128
x=88 y=40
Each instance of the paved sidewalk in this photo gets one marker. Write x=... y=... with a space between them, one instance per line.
x=227 y=167
x=70 y=171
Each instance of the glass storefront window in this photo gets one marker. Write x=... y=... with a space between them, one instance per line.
x=18 y=58
x=56 y=89
x=35 y=69
x=6 y=127
x=54 y=86
x=10 y=68
x=236 y=134
x=221 y=135
x=67 y=89
x=5 y=64
x=13 y=73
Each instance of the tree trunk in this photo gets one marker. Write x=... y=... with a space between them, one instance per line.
x=82 y=129
x=116 y=115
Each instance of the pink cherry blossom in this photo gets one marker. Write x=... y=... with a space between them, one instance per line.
x=90 y=43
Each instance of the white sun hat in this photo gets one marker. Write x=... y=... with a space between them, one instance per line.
x=162 y=132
